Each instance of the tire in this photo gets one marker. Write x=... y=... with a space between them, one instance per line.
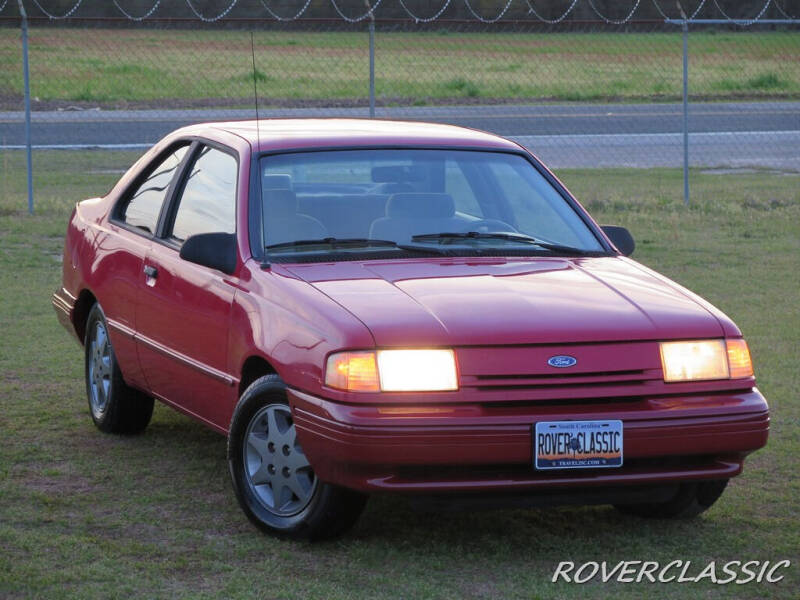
x=691 y=500
x=272 y=479
x=114 y=406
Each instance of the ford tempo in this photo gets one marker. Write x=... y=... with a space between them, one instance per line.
x=368 y=307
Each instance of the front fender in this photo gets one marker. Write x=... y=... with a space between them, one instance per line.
x=290 y=324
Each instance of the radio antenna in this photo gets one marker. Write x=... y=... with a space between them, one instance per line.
x=265 y=264
x=255 y=85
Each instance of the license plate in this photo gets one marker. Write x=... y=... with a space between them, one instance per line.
x=577 y=444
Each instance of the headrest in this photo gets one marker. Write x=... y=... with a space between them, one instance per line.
x=279 y=203
x=397 y=173
x=276 y=182
x=420 y=206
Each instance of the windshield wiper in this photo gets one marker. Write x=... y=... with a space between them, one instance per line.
x=334 y=243
x=498 y=235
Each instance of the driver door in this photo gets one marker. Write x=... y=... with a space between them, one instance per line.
x=184 y=309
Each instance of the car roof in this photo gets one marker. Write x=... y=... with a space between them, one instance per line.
x=281 y=134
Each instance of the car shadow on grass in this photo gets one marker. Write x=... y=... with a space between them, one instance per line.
x=179 y=469
x=397 y=517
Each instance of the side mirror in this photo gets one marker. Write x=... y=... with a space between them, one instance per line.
x=214 y=250
x=621 y=238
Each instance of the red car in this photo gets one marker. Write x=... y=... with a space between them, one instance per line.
x=372 y=306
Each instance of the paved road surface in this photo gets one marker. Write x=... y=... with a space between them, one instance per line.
x=723 y=134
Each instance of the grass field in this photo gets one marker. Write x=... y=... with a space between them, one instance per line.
x=178 y=68
x=87 y=515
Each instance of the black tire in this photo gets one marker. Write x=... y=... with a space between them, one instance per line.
x=319 y=511
x=114 y=406
x=691 y=500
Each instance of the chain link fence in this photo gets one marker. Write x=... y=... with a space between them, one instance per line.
x=584 y=84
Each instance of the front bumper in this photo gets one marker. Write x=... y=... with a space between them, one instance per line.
x=488 y=447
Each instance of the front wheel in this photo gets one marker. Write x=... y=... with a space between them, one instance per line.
x=272 y=478
x=690 y=500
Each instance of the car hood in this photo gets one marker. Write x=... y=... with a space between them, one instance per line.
x=477 y=301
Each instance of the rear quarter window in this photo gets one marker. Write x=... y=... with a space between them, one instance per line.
x=142 y=205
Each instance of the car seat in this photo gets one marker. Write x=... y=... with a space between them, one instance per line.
x=412 y=214
x=282 y=222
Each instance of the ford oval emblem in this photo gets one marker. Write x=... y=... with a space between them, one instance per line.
x=562 y=362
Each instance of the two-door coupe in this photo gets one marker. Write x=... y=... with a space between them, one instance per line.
x=371 y=306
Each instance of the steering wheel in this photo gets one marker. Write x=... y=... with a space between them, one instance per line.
x=487 y=225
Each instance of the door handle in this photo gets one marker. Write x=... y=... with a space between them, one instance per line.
x=150 y=271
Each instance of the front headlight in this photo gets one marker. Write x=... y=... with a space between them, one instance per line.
x=705 y=360
x=417 y=370
x=425 y=370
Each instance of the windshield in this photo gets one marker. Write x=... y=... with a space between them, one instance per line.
x=345 y=201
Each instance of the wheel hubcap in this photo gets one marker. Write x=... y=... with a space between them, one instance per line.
x=275 y=466
x=100 y=370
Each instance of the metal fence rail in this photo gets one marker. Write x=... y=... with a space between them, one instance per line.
x=707 y=88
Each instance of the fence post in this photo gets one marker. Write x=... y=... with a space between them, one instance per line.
x=685 y=28
x=26 y=76
x=371 y=66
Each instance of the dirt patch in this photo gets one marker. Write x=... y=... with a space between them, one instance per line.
x=61 y=480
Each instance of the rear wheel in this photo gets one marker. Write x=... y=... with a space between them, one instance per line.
x=115 y=407
x=272 y=478
x=691 y=500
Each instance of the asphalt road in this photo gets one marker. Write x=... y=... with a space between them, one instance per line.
x=723 y=134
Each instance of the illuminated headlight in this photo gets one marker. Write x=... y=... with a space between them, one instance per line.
x=705 y=360
x=417 y=370
x=393 y=371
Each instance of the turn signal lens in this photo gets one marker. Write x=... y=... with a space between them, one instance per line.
x=694 y=361
x=352 y=371
x=739 y=359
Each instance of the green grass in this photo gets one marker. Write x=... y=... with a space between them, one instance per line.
x=88 y=515
x=166 y=67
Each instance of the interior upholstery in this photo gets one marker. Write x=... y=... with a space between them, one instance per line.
x=361 y=210
x=283 y=223
x=410 y=214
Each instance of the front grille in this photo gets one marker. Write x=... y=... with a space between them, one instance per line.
x=603 y=372
x=635 y=377
x=566 y=387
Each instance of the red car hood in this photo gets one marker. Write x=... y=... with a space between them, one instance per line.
x=477 y=301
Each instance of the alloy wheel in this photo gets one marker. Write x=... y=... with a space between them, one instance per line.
x=100 y=370
x=276 y=468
